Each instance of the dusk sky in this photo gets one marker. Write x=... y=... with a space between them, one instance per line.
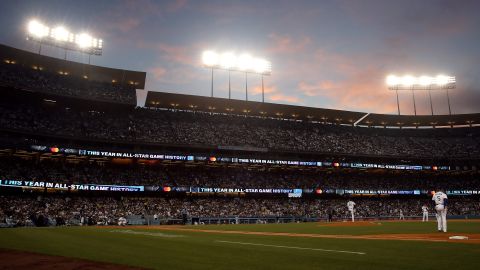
x=329 y=54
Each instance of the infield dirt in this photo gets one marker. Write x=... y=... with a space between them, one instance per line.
x=473 y=238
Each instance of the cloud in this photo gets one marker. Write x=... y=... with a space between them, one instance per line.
x=272 y=93
x=158 y=72
x=282 y=44
x=172 y=54
x=341 y=64
x=316 y=89
x=142 y=7
x=422 y=19
x=128 y=15
x=178 y=54
x=348 y=81
x=282 y=97
x=267 y=90
x=127 y=24
x=228 y=9
x=362 y=91
x=176 y=5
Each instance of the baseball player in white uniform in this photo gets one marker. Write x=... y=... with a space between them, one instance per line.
x=425 y=213
x=402 y=217
x=122 y=221
x=441 y=200
x=351 y=208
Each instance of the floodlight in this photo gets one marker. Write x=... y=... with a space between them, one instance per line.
x=425 y=80
x=37 y=29
x=260 y=65
x=60 y=33
x=84 y=40
x=62 y=38
x=408 y=80
x=245 y=62
x=210 y=58
x=228 y=60
x=393 y=80
x=442 y=79
x=428 y=83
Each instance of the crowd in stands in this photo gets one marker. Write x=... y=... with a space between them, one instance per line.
x=203 y=129
x=202 y=175
x=30 y=210
x=63 y=84
x=173 y=127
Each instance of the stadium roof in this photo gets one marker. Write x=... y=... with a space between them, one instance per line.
x=51 y=64
x=253 y=108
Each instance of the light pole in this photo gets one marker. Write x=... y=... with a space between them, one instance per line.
x=60 y=37
x=246 y=86
x=243 y=63
x=439 y=82
x=431 y=103
x=414 y=105
x=263 y=91
x=448 y=100
x=398 y=102
x=229 y=86
x=211 y=93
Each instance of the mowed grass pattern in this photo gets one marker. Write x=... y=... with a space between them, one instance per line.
x=200 y=250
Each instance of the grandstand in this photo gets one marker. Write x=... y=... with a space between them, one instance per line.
x=72 y=133
x=53 y=78
x=300 y=113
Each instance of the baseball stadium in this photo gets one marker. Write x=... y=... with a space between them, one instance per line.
x=101 y=170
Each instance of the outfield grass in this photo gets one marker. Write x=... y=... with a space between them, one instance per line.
x=200 y=250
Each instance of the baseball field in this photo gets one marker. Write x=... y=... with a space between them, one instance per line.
x=343 y=245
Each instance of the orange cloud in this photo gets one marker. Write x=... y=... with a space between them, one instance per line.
x=267 y=90
x=281 y=97
x=285 y=44
x=343 y=81
x=316 y=89
x=358 y=84
x=272 y=93
x=339 y=63
x=362 y=91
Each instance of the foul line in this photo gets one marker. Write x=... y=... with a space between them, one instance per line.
x=301 y=248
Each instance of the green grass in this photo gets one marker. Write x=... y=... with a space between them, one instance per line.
x=198 y=250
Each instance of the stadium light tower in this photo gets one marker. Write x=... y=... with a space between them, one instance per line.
x=60 y=37
x=407 y=82
x=243 y=63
